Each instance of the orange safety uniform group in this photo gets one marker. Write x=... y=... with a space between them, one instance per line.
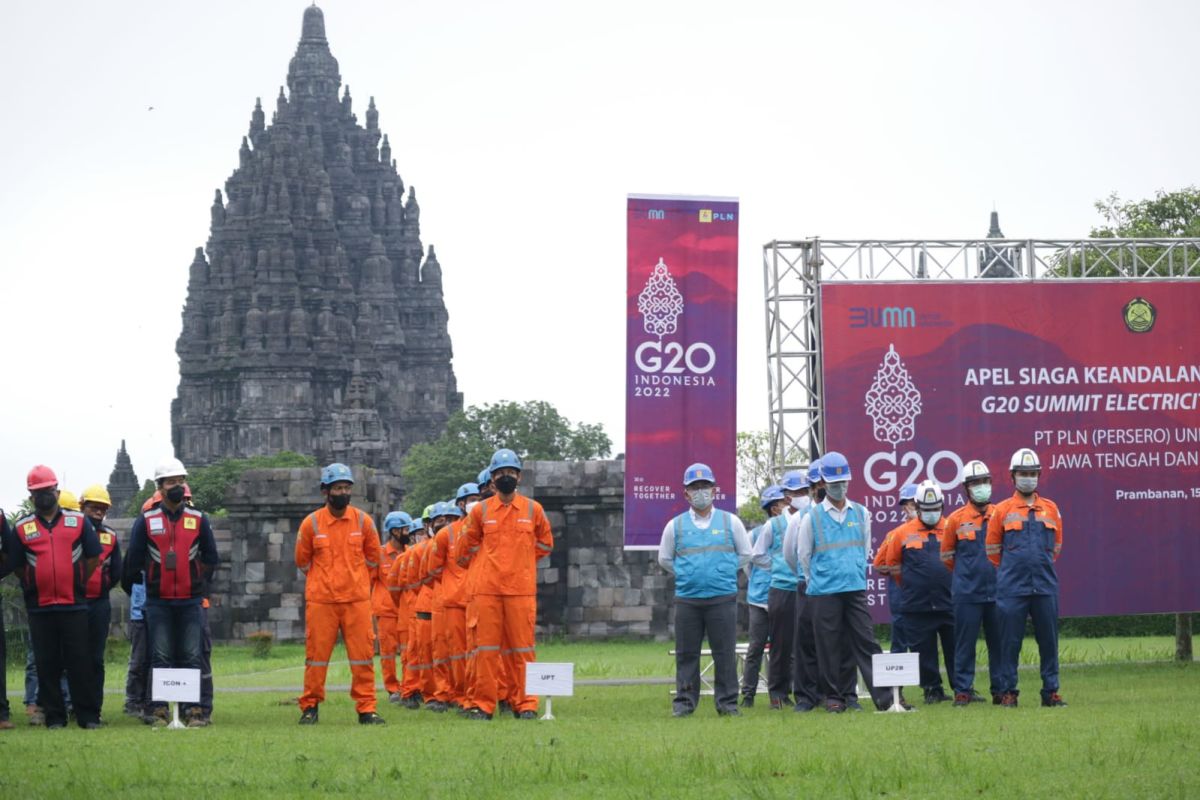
x=392 y=627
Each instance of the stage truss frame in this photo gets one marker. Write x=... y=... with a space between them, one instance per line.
x=793 y=272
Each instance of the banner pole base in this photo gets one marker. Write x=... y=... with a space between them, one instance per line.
x=548 y=714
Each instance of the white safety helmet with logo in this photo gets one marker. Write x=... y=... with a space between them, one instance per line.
x=1025 y=460
x=930 y=502
x=978 y=479
x=170 y=468
x=974 y=471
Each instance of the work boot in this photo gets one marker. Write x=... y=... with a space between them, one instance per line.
x=371 y=718
x=1052 y=700
x=997 y=698
x=681 y=712
x=834 y=706
x=527 y=715
x=962 y=699
x=1008 y=700
x=976 y=697
x=412 y=702
x=134 y=711
x=6 y=724
x=802 y=706
x=935 y=695
x=156 y=716
x=309 y=716
x=196 y=718
x=394 y=697
x=777 y=703
x=853 y=705
x=748 y=701
x=728 y=712
x=478 y=714
x=37 y=716
x=503 y=707
x=435 y=705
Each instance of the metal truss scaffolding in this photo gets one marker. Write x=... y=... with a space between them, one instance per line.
x=793 y=272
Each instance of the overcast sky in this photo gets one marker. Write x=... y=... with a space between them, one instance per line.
x=523 y=126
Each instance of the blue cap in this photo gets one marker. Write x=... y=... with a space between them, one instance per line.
x=814 y=471
x=698 y=472
x=834 y=467
x=794 y=480
x=485 y=475
x=396 y=519
x=504 y=458
x=908 y=492
x=466 y=490
x=336 y=472
x=771 y=494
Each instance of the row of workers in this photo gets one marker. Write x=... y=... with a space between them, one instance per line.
x=453 y=596
x=808 y=578
x=68 y=560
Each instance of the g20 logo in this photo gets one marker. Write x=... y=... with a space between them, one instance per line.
x=672 y=358
x=883 y=469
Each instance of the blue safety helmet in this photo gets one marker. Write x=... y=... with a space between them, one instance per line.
x=771 y=494
x=834 y=467
x=466 y=490
x=908 y=492
x=451 y=509
x=336 y=472
x=698 y=472
x=397 y=519
x=794 y=480
x=504 y=458
x=814 y=471
x=485 y=475
x=416 y=525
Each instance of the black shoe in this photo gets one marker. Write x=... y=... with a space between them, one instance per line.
x=937 y=695
x=56 y=726
x=682 y=712
x=834 y=707
x=997 y=698
x=412 y=702
x=435 y=705
x=803 y=706
x=728 y=712
x=309 y=716
x=748 y=701
x=92 y=726
x=527 y=715
x=853 y=705
x=976 y=697
x=1052 y=700
x=477 y=713
x=371 y=718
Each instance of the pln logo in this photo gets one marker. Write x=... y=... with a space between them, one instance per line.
x=660 y=302
x=893 y=402
x=708 y=215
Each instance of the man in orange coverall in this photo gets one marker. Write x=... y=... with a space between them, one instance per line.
x=449 y=604
x=405 y=595
x=390 y=625
x=420 y=637
x=508 y=533
x=337 y=549
x=434 y=567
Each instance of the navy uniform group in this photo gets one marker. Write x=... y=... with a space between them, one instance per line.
x=982 y=567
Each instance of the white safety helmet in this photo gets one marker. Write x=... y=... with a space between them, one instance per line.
x=1025 y=460
x=169 y=468
x=929 y=496
x=974 y=471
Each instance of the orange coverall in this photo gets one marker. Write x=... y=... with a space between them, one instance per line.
x=508 y=538
x=405 y=596
x=420 y=639
x=339 y=557
x=386 y=618
x=449 y=615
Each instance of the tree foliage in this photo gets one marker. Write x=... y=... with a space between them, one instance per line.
x=210 y=485
x=533 y=430
x=753 y=465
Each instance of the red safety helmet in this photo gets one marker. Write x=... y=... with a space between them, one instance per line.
x=41 y=477
x=152 y=501
x=187 y=491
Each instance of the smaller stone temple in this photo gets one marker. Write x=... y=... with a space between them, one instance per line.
x=122 y=483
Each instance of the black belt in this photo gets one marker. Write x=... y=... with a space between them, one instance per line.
x=424 y=615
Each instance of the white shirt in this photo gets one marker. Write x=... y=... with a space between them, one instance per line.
x=804 y=538
x=666 y=546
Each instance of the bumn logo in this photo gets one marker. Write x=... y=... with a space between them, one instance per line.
x=890 y=317
x=656 y=213
x=893 y=402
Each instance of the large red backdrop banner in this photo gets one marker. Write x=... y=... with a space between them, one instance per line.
x=1101 y=378
x=681 y=356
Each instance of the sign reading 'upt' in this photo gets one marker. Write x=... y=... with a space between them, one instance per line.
x=681 y=356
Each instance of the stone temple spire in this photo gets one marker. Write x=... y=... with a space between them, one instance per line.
x=998 y=262
x=122 y=483
x=293 y=336
x=994 y=231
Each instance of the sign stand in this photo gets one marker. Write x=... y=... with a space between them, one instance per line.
x=175 y=686
x=175 y=724
x=896 y=670
x=551 y=680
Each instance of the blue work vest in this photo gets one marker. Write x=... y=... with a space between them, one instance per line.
x=760 y=579
x=706 y=561
x=839 y=556
x=782 y=576
x=1027 y=565
x=974 y=577
x=925 y=581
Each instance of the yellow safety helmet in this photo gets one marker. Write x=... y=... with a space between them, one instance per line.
x=96 y=494
x=68 y=500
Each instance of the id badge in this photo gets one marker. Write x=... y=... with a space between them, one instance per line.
x=169 y=561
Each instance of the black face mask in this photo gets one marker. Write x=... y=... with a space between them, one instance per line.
x=506 y=484
x=339 y=501
x=820 y=495
x=175 y=494
x=44 y=502
x=486 y=493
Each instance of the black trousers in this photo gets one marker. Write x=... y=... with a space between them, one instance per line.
x=781 y=619
x=99 y=618
x=759 y=632
x=137 y=680
x=60 y=641
x=693 y=622
x=804 y=656
x=841 y=621
x=924 y=629
x=4 y=708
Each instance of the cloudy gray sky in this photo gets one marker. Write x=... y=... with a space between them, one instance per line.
x=523 y=125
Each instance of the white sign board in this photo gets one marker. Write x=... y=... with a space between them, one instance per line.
x=896 y=669
x=551 y=680
x=175 y=685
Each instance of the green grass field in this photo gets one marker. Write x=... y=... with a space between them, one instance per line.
x=1131 y=730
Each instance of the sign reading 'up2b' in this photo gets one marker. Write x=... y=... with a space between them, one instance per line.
x=896 y=669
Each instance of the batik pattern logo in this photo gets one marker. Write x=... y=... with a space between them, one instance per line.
x=893 y=402
x=660 y=303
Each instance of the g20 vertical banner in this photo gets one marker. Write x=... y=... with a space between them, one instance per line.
x=681 y=356
x=1100 y=378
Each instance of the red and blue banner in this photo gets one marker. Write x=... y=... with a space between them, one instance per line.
x=1100 y=378
x=681 y=356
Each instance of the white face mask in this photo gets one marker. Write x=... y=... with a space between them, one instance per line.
x=1027 y=485
x=802 y=502
x=700 y=499
x=836 y=491
x=930 y=518
x=981 y=492
x=471 y=505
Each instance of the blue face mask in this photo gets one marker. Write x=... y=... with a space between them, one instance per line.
x=700 y=499
x=930 y=518
x=836 y=491
x=1027 y=485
